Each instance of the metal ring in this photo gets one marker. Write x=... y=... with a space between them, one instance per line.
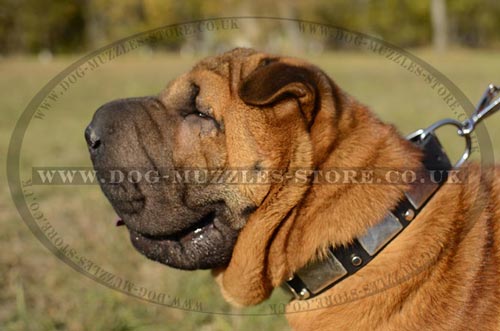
x=438 y=124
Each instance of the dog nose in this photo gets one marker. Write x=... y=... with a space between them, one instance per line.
x=92 y=138
x=112 y=122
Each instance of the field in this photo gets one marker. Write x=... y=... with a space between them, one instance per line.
x=39 y=292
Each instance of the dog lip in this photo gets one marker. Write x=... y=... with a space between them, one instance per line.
x=207 y=244
x=192 y=232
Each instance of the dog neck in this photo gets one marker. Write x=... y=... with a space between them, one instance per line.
x=352 y=138
x=345 y=211
x=342 y=261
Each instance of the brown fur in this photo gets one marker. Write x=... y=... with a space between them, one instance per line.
x=453 y=244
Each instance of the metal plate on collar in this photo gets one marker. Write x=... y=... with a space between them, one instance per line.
x=320 y=274
x=419 y=194
x=379 y=235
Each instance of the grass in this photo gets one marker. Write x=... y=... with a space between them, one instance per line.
x=39 y=292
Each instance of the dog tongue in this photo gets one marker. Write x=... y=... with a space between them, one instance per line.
x=120 y=222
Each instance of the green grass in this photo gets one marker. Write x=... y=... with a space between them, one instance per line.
x=39 y=292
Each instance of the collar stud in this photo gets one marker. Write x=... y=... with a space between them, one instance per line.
x=304 y=294
x=409 y=214
x=356 y=260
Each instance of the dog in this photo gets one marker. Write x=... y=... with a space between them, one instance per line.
x=254 y=111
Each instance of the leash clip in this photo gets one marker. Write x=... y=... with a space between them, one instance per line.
x=486 y=107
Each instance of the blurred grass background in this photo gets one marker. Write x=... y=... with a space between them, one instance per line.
x=38 y=291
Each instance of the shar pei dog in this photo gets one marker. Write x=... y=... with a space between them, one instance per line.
x=355 y=253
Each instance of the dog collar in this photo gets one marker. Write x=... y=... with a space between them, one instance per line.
x=342 y=262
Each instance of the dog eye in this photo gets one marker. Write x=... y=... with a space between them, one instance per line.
x=191 y=108
x=201 y=115
x=196 y=112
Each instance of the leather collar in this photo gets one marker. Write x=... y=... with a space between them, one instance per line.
x=343 y=262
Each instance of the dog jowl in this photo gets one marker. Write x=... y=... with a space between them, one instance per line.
x=248 y=110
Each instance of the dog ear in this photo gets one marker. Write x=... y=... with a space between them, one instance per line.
x=273 y=82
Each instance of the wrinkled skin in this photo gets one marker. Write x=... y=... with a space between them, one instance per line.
x=195 y=122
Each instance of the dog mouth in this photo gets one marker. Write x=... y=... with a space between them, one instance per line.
x=193 y=232
x=206 y=244
x=181 y=237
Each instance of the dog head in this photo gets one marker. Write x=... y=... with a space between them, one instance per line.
x=242 y=111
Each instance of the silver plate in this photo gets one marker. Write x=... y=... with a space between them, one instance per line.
x=319 y=274
x=380 y=234
x=420 y=193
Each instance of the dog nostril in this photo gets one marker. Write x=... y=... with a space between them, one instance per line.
x=96 y=144
x=93 y=140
